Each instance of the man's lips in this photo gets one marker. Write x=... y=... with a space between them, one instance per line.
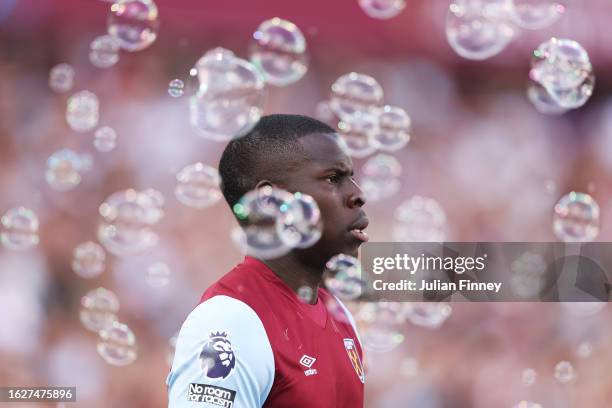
x=356 y=229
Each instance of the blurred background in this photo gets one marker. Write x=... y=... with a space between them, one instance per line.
x=479 y=148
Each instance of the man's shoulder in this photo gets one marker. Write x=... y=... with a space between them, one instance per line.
x=244 y=282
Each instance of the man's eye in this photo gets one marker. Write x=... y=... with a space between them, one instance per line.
x=333 y=178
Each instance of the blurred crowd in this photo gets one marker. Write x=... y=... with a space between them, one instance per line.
x=479 y=148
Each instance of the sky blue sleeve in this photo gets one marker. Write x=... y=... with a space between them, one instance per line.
x=223 y=358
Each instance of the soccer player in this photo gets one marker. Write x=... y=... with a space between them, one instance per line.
x=252 y=341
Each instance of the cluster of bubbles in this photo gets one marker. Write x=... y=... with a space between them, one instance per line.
x=116 y=341
x=564 y=372
x=104 y=51
x=19 y=229
x=480 y=29
x=381 y=177
x=229 y=100
x=198 y=185
x=105 y=139
x=61 y=78
x=158 y=275
x=176 y=88
x=561 y=76
x=278 y=50
x=342 y=277
x=305 y=294
x=576 y=218
x=88 y=260
x=64 y=169
x=275 y=221
x=82 y=111
x=133 y=23
x=382 y=9
x=128 y=221
x=528 y=275
x=419 y=219
x=356 y=108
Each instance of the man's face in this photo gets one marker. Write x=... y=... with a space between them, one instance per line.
x=327 y=175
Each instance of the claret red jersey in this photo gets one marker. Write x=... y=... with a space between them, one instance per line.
x=252 y=342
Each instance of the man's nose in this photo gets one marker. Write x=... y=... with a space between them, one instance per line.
x=356 y=196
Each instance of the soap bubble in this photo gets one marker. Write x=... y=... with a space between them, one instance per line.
x=105 y=139
x=560 y=64
x=420 y=219
x=576 y=218
x=176 y=88
x=325 y=114
x=117 y=344
x=528 y=275
x=88 y=260
x=158 y=275
x=99 y=309
x=393 y=126
x=305 y=294
x=427 y=314
x=382 y=9
x=104 y=51
x=479 y=29
x=381 y=177
x=528 y=376
x=536 y=14
x=258 y=210
x=353 y=95
x=564 y=372
x=342 y=277
x=64 y=169
x=279 y=51
x=198 y=186
x=61 y=78
x=20 y=229
x=542 y=100
x=299 y=225
x=527 y=404
x=409 y=367
x=82 y=112
x=383 y=326
x=127 y=223
x=239 y=239
x=230 y=98
x=585 y=349
x=583 y=309
x=358 y=134
x=133 y=23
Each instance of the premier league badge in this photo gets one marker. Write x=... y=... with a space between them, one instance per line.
x=217 y=356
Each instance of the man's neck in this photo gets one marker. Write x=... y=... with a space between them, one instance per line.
x=296 y=274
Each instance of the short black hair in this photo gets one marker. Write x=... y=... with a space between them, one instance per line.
x=256 y=156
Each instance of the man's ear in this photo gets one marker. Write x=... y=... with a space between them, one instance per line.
x=264 y=183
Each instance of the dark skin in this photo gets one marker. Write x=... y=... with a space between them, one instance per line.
x=325 y=172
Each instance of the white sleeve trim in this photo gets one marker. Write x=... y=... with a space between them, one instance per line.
x=250 y=375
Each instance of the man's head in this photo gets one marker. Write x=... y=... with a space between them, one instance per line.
x=298 y=153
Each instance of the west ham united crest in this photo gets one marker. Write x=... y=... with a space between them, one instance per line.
x=353 y=355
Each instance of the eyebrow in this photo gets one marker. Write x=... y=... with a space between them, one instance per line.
x=341 y=167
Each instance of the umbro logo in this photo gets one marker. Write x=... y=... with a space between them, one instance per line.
x=307 y=362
